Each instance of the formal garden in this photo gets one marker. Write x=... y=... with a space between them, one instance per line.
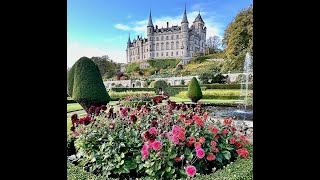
x=161 y=132
x=199 y=129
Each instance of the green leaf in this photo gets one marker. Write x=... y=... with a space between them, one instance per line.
x=122 y=145
x=172 y=171
x=168 y=169
x=149 y=171
x=122 y=155
x=226 y=154
x=219 y=157
x=170 y=163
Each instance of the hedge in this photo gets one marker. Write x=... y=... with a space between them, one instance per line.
x=135 y=103
x=219 y=86
x=241 y=169
x=116 y=96
x=215 y=94
x=124 y=89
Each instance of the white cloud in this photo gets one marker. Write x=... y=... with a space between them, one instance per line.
x=122 y=27
x=75 y=51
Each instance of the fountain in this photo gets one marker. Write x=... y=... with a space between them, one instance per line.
x=243 y=113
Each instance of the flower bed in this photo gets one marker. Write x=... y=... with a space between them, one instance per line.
x=163 y=142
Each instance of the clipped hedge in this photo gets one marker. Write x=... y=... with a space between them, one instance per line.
x=241 y=169
x=218 y=86
x=215 y=94
x=116 y=96
x=124 y=89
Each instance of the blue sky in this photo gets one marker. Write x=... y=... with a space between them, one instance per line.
x=101 y=27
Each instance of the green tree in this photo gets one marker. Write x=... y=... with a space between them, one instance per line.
x=238 y=40
x=161 y=85
x=106 y=66
x=88 y=87
x=70 y=80
x=194 y=90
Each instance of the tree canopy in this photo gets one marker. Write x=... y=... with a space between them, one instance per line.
x=238 y=39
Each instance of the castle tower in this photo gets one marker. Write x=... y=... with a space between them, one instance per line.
x=201 y=30
x=199 y=23
x=150 y=29
x=128 y=50
x=185 y=36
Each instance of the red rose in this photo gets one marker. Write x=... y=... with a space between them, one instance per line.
x=211 y=157
x=201 y=140
x=215 y=150
x=213 y=143
x=177 y=159
x=227 y=122
x=197 y=144
x=189 y=143
x=232 y=140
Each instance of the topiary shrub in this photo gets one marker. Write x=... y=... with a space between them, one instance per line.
x=161 y=85
x=70 y=78
x=194 y=90
x=88 y=87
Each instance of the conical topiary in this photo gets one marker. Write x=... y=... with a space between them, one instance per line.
x=88 y=87
x=70 y=78
x=194 y=90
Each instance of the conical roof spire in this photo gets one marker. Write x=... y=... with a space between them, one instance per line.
x=184 y=19
x=150 y=20
x=129 y=41
x=199 y=18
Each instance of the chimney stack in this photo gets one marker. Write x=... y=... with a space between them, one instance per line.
x=167 y=24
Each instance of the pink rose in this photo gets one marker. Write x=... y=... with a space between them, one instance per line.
x=145 y=154
x=232 y=140
x=213 y=143
x=153 y=131
x=191 y=171
x=200 y=153
x=157 y=145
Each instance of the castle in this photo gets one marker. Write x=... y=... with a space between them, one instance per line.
x=170 y=42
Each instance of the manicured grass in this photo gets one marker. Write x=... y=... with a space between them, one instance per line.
x=73 y=107
x=179 y=100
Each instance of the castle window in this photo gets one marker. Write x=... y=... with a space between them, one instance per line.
x=181 y=52
x=162 y=46
x=144 y=56
x=150 y=54
x=172 y=37
x=167 y=45
x=157 y=47
x=172 y=45
x=177 y=36
x=162 y=54
x=177 y=53
x=171 y=53
x=157 y=38
x=157 y=54
x=167 y=37
x=167 y=53
x=177 y=45
x=161 y=38
x=147 y=49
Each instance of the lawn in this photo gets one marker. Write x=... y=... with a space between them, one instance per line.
x=179 y=100
x=73 y=107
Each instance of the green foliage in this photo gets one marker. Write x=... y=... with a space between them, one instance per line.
x=70 y=81
x=77 y=173
x=88 y=87
x=132 y=67
x=115 y=96
x=216 y=94
x=194 y=90
x=214 y=76
x=107 y=68
x=182 y=82
x=242 y=169
x=151 y=85
x=218 y=86
x=238 y=38
x=161 y=85
x=116 y=89
x=163 y=63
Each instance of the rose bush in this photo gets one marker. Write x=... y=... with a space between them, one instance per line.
x=163 y=141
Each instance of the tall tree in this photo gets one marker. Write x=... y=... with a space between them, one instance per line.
x=106 y=66
x=238 y=39
x=213 y=43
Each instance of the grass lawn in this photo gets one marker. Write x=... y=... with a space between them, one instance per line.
x=179 y=100
x=73 y=107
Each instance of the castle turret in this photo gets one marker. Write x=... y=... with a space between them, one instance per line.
x=201 y=30
x=128 y=50
x=185 y=33
x=150 y=29
x=198 y=23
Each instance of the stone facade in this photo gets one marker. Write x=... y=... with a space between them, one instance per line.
x=170 y=42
